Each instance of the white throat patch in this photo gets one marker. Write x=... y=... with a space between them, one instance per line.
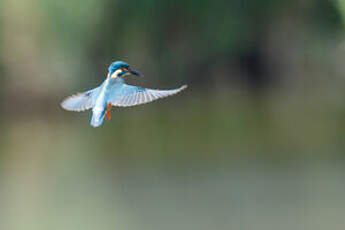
x=116 y=74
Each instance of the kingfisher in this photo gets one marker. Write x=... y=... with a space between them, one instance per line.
x=114 y=92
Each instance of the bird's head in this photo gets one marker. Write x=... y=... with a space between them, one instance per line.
x=121 y=69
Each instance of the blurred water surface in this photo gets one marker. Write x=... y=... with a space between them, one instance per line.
x=161 y=167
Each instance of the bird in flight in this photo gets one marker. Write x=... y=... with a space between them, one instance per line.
x=114 y=92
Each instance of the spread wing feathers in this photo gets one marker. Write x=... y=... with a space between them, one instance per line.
x=80 y=101
x=133 y=95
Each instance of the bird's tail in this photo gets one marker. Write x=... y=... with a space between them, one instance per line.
x=97 y=117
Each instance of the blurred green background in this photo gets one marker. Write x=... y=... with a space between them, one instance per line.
x=257 y=141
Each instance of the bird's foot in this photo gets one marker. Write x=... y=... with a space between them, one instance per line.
x=107 y=115
x=107 y=112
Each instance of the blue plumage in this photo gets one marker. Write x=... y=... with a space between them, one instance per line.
x=117 y=65
x=114 y=92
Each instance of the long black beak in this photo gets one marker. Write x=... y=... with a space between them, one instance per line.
x=134 y=72
x=130 y=72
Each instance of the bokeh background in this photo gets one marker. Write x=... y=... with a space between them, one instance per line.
x=257 y=141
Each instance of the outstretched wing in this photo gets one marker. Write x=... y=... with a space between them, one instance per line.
x=130 y=95
x=80 y=101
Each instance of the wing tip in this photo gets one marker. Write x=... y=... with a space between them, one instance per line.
x=66 y=106
x=183 y=87
x=63 y=104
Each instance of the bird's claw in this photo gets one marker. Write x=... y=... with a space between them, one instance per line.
x=107 y=112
